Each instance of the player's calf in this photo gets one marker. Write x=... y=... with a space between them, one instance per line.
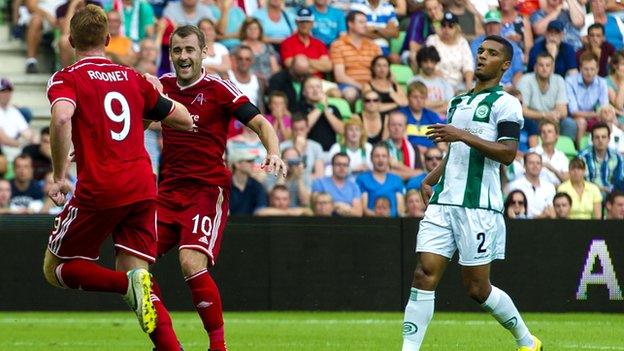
x=50 y=265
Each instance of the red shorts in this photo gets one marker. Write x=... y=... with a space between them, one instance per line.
x=79 y=233
x=193 y=219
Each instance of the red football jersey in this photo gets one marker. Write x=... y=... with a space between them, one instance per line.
x=107 y=131
x=197 y=156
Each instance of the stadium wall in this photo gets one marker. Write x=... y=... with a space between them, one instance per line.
x=344 y=264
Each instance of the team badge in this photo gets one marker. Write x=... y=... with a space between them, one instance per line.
x=482 y=111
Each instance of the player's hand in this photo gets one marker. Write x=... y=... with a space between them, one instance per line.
x=155 y=82
x=426 y=191
x=275 y=165
x=444 y=132
x=58 y=191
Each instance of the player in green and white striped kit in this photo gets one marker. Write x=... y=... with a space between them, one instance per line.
x=466 y=204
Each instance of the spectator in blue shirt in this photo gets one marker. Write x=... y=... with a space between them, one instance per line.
x=419 y=117
x=587 y=92
x=605 y=167
x=493 y=26
x=247 y=195
x=552 y=42
x=433 y=157
x=346 y=195
x=380 y=183
x=329 y=22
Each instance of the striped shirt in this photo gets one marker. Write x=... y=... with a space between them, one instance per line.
x=606 y=173
x=356 y=60
x=378 y=17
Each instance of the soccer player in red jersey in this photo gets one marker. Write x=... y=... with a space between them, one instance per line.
x=194 y=191
x=100 y=107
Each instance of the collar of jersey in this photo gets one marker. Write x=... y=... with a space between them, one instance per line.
x=93 y=58
x=485 y=91
x=201 y=77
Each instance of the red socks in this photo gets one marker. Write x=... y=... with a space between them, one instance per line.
x=163 y=337
x=207 y=302
x=89 y=276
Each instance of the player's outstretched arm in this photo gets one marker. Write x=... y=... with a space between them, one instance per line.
x=273 y=162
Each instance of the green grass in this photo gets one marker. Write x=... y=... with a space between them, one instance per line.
x=295 y=331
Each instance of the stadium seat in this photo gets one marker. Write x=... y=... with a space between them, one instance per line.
x=565 y=144
x=397 y=43
x=584 y=141
x=359 y=106
x=401 y=73
x=342 y=105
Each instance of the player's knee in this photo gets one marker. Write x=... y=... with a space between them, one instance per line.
x=477 y=290
x=423 y=279
x=191 y=264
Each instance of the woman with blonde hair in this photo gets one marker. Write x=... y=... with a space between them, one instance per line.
x=414 y=204
x=265 y=57
x=354 y=144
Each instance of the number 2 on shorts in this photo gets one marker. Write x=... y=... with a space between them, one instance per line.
x=481 y=238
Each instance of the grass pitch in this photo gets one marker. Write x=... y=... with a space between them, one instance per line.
x=295 y=331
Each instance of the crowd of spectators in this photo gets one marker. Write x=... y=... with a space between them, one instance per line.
x=351 y=87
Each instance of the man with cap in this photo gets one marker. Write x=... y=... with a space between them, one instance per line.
x=552 y=42
x=14 y=131
x=303 y=43
x=493 y=26
x=247 y=195
x=570 y=13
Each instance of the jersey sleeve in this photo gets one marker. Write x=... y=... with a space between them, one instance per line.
x=509 y=110
x=229 y=96
x=61 y=87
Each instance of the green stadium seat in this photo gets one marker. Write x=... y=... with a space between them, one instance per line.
x=584 y=141
x=401 y=73
x=397 y=43
x=565 y=144
x=342 y=105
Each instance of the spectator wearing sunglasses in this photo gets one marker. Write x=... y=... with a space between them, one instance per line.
x=433 y=157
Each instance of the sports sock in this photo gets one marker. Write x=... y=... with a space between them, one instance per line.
x=163 y=337
x=418 y=314
x=89 y=276
x=207 y=302
x=499 y=304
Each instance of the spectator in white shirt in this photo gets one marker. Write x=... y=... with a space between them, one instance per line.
x=538 y=191
x=555 y=163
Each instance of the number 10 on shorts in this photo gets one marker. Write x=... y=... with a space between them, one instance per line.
x=202 y=223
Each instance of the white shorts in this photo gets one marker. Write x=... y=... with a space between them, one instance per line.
x=478 y=234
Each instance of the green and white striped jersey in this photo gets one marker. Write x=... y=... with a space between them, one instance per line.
x=470 y=179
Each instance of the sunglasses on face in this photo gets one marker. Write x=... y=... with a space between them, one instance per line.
x=447 y=25
x=431 y=158
x=517 y=202
x=371 y=100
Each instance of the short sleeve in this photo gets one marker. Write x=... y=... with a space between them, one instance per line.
x=509 y=110
x=596 y=194
x=572 y=103
x=525 y=88
x=468 y=65
x=335 y=53
x=228 y=95
x=61 y=87
x=317 y=186
x=562 y=96
x=536 y=16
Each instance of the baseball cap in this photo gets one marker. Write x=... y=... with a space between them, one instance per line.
x=5 y=84
x=556 y=25
x=242 y=155
x=304 y=14
x=492 y=16
x=449 y=17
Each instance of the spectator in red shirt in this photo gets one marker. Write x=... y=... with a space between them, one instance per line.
x=303 y=43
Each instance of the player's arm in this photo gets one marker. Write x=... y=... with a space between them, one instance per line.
x=171 y=113
x=60 y=143
x=431 y=179
x=503 y=150
x=250 y=115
